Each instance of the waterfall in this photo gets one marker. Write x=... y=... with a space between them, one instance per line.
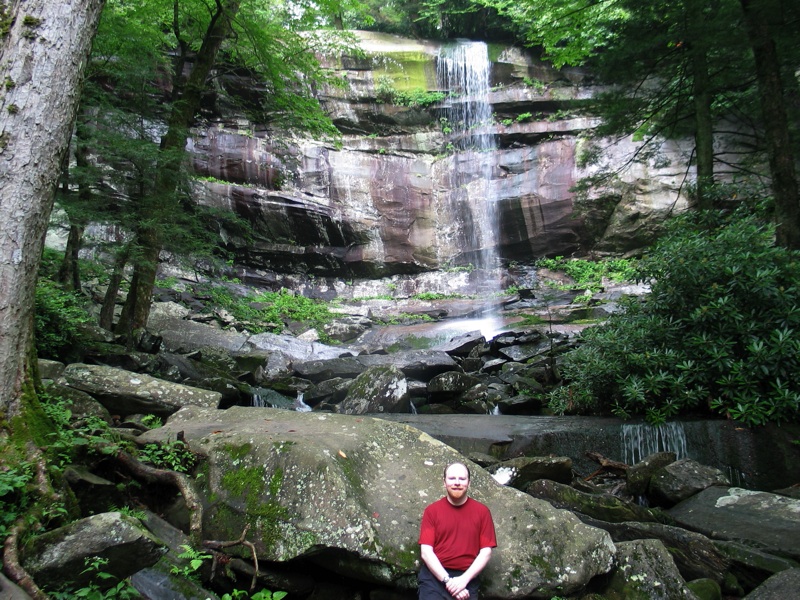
x=641 y=440
x=463 y=69
x=300 y=405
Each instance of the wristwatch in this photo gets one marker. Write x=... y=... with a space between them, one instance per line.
x=446 y=579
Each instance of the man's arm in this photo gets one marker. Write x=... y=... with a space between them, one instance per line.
x=432 y=561
x=458 y=584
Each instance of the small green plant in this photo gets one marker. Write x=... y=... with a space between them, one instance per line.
x=152 y=421
x=174 y=456
x=14 y=498
x=432 y=296
x=194 y=560
x=102 y=588
x=260 y=595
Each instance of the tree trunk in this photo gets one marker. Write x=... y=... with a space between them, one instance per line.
x=69 y=274
x=137 y=307
x=773 y=111
x=704 y=127
x=110 y=298
x=43 y=56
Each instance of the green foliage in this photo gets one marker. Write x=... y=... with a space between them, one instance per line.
x=174 y=456
x=58 y=320
x=14 y=497
x=152 y=421
x=194 y=560
x=269 y=310
x=260 y=595
x=102 y=588
x=416 y=98
x=589 y=274
x=433 y=296
x=72 y=440
x=718 y=332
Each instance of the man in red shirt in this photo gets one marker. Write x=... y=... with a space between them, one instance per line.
x=456 y=540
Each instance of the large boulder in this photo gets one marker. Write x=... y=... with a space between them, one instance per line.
x=58 y=556
x=682 y=479
x=125 y=393
x=348 y=494
x=645 y=571
x=780 y=586
x=376 y=390
x=758 y=519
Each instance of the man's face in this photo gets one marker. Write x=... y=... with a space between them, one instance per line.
x=456 y=483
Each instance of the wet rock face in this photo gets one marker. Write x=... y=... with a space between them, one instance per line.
x=398 y=197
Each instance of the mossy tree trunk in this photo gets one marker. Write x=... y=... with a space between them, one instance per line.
x=42 y=57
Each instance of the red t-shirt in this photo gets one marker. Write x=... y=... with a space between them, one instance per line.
x=457 y=533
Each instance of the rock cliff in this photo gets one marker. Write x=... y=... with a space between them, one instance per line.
x=401 y=192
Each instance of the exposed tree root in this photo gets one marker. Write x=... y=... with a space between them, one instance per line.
x=217 y=545
x=45 y=496
x=179 y=480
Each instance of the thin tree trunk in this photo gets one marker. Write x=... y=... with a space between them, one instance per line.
x=704 y=127
x=137 y=307
x=42 y=56
x=110 y=298
x=773 y=111
x=69 y=274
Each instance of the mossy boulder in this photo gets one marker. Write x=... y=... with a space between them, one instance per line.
x=347 y=493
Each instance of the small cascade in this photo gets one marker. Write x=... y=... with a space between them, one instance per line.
x=299 y=405
x=641 y=440
x=412 y=408
x=463 y=69
x=495 y=410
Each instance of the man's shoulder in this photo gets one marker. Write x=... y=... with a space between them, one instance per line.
x=477 y=505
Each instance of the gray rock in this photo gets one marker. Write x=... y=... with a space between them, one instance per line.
x=758 y=519
x=528 y=469
x=10 y=590
x=645 y=571
x=57 y=557
x=50 y=369
x=682 y=479
x=376 y=390
x=124 y=392
x=599 y=506
x=696 y=556
x=638 y=475
x=781 y=586
x=353 y=490
x=751 y=566
x=181 y=336
x=451 y=383
x=418 y=364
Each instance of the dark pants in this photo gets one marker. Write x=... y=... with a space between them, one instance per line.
x=431 y=588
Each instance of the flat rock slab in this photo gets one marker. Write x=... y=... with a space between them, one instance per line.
x=768 y=521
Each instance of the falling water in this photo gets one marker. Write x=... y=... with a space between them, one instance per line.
x=641 y=440
x=300 y=405
x=464 y=71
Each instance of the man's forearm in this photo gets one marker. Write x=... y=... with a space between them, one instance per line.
x=478 y=564
x=432 y=562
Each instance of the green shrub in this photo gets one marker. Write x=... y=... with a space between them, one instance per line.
x=717 y=333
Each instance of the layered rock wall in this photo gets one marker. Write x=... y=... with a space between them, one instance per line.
x=395 y=196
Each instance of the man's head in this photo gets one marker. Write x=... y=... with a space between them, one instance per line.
x=456 y=483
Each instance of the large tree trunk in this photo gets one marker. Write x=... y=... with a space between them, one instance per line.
x=137 y=307
x=773 y=110
x=42 y=59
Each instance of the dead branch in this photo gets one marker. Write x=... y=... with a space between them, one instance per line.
x=606 y=465
x=218 y=545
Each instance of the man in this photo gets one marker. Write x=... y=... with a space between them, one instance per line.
x=456 y=540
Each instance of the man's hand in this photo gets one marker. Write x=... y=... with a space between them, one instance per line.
x=457 y=586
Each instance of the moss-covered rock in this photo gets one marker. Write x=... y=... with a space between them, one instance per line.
x=350 y=492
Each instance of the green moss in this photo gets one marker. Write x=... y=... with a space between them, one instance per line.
x=237 y=452
x=247 y=481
